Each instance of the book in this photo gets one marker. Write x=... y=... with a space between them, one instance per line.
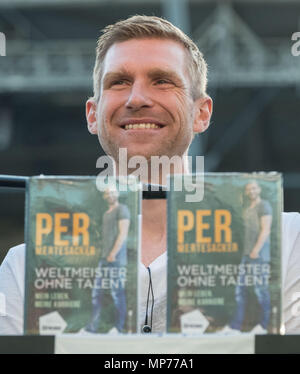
x=82 y=254
x=224 y=253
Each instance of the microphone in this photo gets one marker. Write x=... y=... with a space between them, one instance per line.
x=148 y=328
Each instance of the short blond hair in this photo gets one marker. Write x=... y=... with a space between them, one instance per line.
x=139 y=27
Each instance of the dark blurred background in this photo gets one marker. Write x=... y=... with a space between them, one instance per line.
x=46 y=78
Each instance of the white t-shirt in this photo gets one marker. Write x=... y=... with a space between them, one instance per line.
x=12 y=276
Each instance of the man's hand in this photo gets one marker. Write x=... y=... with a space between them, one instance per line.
x=254 y=254
x=265 y=230
x=111 y=258
x=123 y=232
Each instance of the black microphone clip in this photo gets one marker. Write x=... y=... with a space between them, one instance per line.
x=146 y=329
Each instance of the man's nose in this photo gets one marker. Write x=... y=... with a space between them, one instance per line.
x=139 y=97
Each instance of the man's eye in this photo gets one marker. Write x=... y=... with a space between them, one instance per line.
x=117 y=83
x=162 y=81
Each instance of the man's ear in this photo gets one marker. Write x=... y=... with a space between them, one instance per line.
x=203 y=111
x=91 y=117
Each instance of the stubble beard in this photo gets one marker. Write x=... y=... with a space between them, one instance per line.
x=168 y=147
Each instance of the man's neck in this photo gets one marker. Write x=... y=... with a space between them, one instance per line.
x=255 y=202
x=156 y=170
x=113 y=205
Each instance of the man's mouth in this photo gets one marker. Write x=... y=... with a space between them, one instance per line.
x=136 y=126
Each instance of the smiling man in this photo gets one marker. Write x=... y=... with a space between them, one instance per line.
x=257 y=219
x=149 y=98
x=146 y=103
x=144 y=99
x=115 y=225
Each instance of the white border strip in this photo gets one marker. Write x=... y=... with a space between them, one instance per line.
x=154 y=344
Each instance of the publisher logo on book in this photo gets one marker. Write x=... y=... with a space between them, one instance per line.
x=296 y=306
x=2 y=44
x=2 y=305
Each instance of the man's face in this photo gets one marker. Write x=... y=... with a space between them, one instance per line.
x=252 y=190
x=145 y=102
x=110 y=195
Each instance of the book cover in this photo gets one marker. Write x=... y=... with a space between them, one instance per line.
x=224 y=254
x=82 y=253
